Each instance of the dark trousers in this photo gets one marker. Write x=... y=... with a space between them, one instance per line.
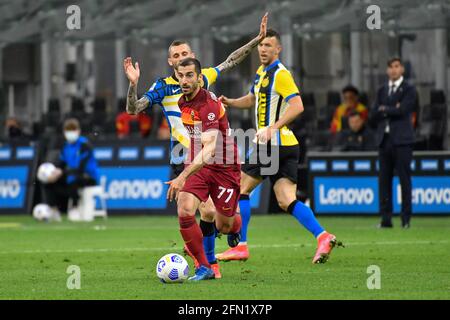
x=399 y=158
x=57 y=194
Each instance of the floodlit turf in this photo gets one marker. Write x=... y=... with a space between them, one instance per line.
x=118 y=257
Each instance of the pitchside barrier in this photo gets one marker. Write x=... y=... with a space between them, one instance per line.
x=347 y=183
x=132 y=174
x=18 y=164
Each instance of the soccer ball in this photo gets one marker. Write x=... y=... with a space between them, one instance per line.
x=42 y=212
x=172 y=268
x=45 y=171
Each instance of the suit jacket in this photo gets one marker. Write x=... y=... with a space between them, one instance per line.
x=398 y=113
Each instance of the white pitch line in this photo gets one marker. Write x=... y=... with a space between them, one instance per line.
x=293 y=245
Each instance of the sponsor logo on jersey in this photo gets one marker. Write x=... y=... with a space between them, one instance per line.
x=262 y=106
x=194 y=131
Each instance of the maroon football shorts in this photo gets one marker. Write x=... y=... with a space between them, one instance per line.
x=222 y=185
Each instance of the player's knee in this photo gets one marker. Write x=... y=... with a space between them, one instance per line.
x=184 y=210
x=224 y=228
x=207 y=213
x=284 y=204
x=245 y=190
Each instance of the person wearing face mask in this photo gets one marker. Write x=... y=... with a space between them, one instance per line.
x=76 y=169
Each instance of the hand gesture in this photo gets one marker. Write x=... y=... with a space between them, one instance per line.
x=263 y=26
x=132 y=73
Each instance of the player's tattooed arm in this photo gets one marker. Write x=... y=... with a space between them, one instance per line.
x=134 y=106
x=240 y=54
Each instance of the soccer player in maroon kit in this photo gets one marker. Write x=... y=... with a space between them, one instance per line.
x=212 y=169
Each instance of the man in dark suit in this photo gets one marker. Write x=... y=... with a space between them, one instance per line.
x=392 y=116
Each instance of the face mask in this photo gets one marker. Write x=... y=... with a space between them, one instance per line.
x=71 y=136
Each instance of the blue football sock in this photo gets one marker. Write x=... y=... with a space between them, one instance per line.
x=209 y=240
x=306 y=217
x=244 y=206
x=209 y=244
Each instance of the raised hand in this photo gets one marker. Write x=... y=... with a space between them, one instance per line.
x=263 y=26
x=132 y=73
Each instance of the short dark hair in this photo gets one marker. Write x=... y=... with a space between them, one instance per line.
x=272 y=33
x=394 y=59
x=189 y=62
x=353 y=113
x=350 y=88
x=176 y=43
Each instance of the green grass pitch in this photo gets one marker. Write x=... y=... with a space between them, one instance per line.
x=117 y=258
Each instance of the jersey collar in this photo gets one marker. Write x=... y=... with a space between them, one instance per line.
x=272 y=65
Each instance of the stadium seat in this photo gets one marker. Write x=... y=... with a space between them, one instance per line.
x=320 y=141
x=53 y=105
x=433 y=124
x=333 y=98
x=364 y=99
x=437 y=97
x=308 y=99
x=77 y=108
x=53 y=116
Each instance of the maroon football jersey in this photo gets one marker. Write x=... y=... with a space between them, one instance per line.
x=203 y=113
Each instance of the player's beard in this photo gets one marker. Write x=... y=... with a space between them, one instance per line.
x=190 y=89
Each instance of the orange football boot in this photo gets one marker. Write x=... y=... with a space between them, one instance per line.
x=240 y=252
x=215 y=267
x=325 y=244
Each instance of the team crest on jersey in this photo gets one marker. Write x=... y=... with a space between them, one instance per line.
x=211 y=116
x=265 y=82
x=192 y=115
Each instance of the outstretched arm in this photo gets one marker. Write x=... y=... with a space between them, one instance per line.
x=244 y=102
x=240 y=54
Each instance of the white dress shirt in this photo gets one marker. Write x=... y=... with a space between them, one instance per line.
x=391 y=91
